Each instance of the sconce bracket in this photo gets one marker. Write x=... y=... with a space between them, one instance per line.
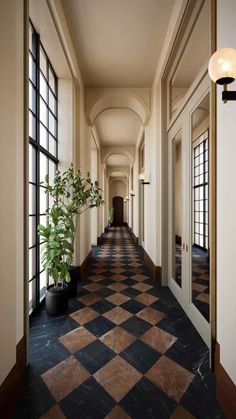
x=228 y=95
x=145 y=183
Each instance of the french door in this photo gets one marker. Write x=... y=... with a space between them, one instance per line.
x=188 y=272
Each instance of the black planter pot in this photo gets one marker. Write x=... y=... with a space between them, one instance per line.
x=56 y=302
x=72 y=285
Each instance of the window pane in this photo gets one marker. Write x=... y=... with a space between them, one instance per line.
x=43 y=113
x=32 y=69
x=32 y=164
x=52 y=124
x=43 y=167
x=32 y=126
x=43 y=63
x=43 y=284
x=43 y=87
x=32 y=199
x=52 y=102
x=31 y=304
x=32 y=231
x=43 y=200
x=52 y=80
x=43 y=136
x=32 y=262
x=43 y=220
x=41 y=250
x=52 y=146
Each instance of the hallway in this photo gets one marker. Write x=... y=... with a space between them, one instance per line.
x=125 y=349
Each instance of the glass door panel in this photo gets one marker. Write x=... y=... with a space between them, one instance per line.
x=177 y=208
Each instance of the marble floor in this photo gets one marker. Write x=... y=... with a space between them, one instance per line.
x=125 y=349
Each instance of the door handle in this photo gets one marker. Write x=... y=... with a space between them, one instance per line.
x=187 y=248
x=183 y=246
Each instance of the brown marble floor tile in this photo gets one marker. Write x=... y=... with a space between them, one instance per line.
x=117 y=270
x=151 y=315
x=205 y=298
x=117 y=377
x=117 y=298
x=134 y=264
x=118 y=315
x=77 y=339
x=141 y=286
x=170 y=377
x=84 y=315
x=158 y=339
x=117 y=339
x=198 y=287
x=65 y=377
x=117 y=413
x=118 y=277
x=89 y=299
x=54 y=413
x=99 y=270
x=93 y=287
x=118 y=287
x=96 y=277
x=139 y=277
x=181 y=413
x=146 y=299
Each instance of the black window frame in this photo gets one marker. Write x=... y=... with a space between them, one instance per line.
x=200 y=182
x=40 y=151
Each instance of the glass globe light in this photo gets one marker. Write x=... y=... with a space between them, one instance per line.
x=222 y=66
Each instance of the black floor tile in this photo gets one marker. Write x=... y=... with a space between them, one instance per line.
x=140 y=355
x=131 y=292
x=147 y=401
x=102 y=306
x=99 y=326
x=95 y=356
x=89 y=401
x=136 y=326
x=133 y=306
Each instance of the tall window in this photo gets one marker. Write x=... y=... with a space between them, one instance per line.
x=200 y=189
x=43 y=154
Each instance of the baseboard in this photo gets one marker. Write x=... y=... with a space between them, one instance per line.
x=134 y=238
x=100 y=239
x=85 y=264
x=225 y=388
x=9 y=390
x=154 y=270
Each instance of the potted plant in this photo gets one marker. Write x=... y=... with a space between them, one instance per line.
x=110 y=216
x=70 y=194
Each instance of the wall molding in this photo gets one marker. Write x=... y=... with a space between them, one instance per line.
x=155 y=271
x=9 y=390
x=225 y=388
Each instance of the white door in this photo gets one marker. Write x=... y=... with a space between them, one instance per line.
x=188 y=275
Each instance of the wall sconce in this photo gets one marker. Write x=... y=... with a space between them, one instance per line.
x=222 y=70
x=125 y=201
x=142 y=179
x=126 y=198
x=132 y=193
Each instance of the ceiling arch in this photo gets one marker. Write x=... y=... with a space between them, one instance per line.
x=118 y=100
x=117 y=151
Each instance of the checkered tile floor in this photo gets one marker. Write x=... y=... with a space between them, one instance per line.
x=124 y=350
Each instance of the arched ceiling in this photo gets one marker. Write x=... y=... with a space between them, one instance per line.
x=118 y=42
x=117 y=127
x=118 y=160
x=117 y=173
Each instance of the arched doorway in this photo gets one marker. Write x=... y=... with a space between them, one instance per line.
x=118 y=205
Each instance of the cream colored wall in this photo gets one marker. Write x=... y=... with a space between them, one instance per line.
x=226 y=202
x=65 y=123
x=11 y=183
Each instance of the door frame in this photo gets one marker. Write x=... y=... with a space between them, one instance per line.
x=184 y=293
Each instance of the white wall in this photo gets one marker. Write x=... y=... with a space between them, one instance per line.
x=11 y=182
x=226 y=201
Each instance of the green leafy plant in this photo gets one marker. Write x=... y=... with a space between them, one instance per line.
x=110 y=216
x=70 y=194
